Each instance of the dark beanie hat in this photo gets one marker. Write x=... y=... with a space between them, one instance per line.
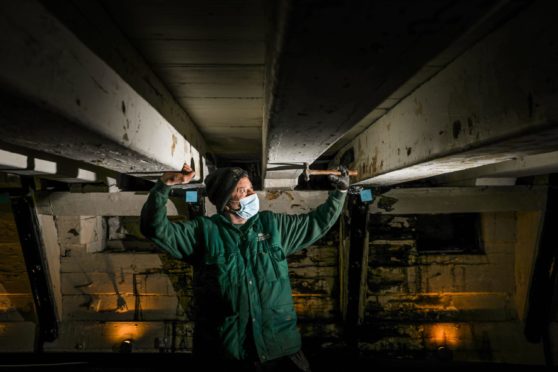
x=220 y=184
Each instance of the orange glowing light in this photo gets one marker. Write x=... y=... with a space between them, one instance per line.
x=445 y=334
x=119 y=332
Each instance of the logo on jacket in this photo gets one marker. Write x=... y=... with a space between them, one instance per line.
x=263 y=236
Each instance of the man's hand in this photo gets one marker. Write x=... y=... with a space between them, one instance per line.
x=177 y=178
x=342 y=182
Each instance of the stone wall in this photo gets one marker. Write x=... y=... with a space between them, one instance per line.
x=445 y=306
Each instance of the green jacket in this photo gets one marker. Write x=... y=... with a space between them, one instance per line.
x=240 y=272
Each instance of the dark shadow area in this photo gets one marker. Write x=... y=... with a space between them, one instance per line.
x=330 y=361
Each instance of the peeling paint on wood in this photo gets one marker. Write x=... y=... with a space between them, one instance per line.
x=173 y=145
x=386 y=203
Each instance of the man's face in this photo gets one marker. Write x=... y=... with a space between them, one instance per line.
x=243 y=189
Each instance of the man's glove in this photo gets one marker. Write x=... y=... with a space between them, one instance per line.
x=341 y=182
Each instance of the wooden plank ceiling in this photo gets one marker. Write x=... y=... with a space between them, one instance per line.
x=210 y=55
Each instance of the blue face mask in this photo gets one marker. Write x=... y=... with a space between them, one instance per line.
x=249 y=206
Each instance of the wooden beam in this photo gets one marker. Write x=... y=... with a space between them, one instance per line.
x=36 y=260
x=91 y=23
x=357 y=267
x=327 y=82
x=130 y=203
x=62 y=98
x=459 y=200
x=542 y=296
x=446 y=124
x=100 y=204
x=523 y=166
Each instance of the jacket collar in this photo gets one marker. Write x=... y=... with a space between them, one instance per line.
x=224 y=219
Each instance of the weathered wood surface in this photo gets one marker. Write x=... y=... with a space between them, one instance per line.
x=459 y=200
x=126 y=307
x=106 y=336
x=481 y=341
x=17 y=337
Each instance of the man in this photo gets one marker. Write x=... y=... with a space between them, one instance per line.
x=245 y=311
